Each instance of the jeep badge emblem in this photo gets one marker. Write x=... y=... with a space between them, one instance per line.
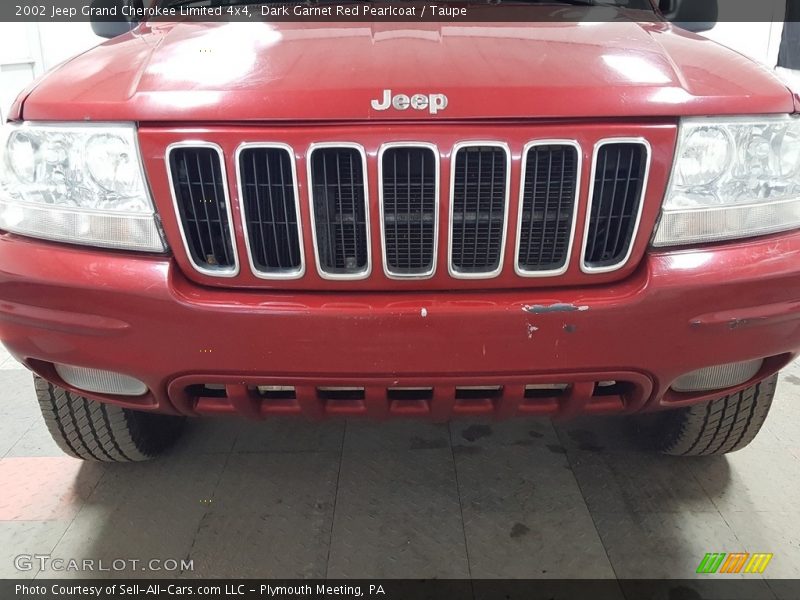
x=431 y=102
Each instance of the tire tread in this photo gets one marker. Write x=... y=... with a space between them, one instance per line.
x=720 y=426
x=100 y=432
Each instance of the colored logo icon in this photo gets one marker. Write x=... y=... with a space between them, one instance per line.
x=734 y=562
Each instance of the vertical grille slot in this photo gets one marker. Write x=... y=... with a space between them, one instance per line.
x=199 y=186
x=478 y=211
x=547 y=208
x=620 y=173
x=267 y=183
x=339 y=202
x=409 y=200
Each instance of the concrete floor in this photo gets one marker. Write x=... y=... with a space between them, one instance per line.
x=518 y=499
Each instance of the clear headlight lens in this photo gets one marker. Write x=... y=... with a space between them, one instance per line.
x=705 y=156
x=112 y=165
x=82 y=184
x=732 y=178
x=22 y=157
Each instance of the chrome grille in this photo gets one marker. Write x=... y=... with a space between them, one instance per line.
x=332 y=193
x=201 y=201
x=409 y=205
x=339 y=203
x=478 y=209
x=270 y=209
x=620 y=172
x=547 y=208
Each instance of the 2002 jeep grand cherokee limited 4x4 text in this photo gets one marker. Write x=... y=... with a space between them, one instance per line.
x=395 y=220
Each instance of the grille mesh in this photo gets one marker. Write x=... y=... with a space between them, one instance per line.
x=409 y=209
x=199 y=188
x=340 y=213
x=270 y=210
x=548 y=206
x=617 y=194
x=479 y=202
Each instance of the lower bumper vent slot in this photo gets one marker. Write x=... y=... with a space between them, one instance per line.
x=610 y=396
x=544 y=391
x=207 y=391
x=343 y=400
x=276 y=392
x=341 y=393
x=543 y=399
x=477 y=400
x=410 y=401
x=423 y=393
x=478 y=392
x=210 y=398
x=609 y=388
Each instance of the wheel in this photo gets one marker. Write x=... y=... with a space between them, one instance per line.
x=95 y=431
x=717 y=427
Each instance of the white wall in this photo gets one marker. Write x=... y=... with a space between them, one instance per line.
x=61 y=41
x=29 y=49
x=759 y=41
x=20 y=61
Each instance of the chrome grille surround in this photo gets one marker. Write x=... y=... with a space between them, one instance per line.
x=592 y=180
x=573 y=227
x=453 y=156
x=272 y=275
x=364 y=273
x=228 y=272
x=437 y=194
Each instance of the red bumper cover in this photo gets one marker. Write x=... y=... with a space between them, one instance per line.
x=139 y=315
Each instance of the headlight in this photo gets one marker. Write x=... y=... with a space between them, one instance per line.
x=82 y=184
x=732 y=178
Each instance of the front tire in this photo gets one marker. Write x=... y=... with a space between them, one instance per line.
x=724 y=425
x=100 y=432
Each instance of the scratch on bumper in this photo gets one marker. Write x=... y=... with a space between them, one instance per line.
x=540 y=309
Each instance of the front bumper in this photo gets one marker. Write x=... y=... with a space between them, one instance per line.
x=139 y=315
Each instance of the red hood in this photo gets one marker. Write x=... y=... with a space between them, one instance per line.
x=306 y=71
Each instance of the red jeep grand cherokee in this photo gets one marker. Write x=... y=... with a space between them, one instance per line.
x=402 y=220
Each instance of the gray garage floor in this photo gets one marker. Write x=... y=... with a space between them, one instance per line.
x=483 y=499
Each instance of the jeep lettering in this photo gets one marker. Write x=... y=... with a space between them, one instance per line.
x=433 y=102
